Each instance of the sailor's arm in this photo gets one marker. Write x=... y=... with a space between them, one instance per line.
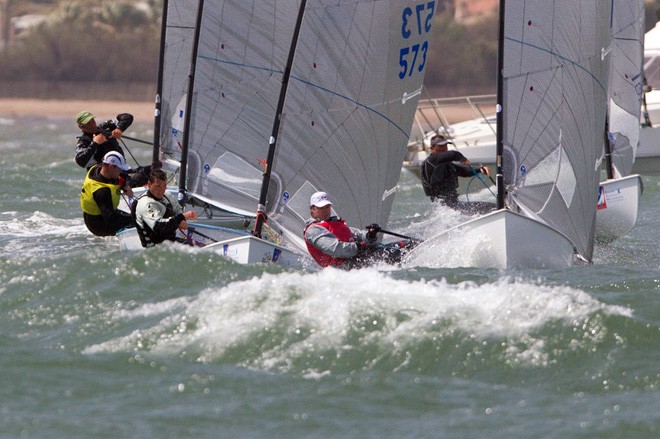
x=328 y=243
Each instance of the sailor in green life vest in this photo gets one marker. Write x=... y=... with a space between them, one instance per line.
x=100 y=195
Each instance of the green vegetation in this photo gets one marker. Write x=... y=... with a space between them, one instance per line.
x=88 y=40
x=118 y=40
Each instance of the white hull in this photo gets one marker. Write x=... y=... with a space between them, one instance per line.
x=501 y=239
x=618 y=202
x=250 y=250
x=236 y=245
x=647 y=157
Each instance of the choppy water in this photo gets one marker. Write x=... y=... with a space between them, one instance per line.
x=171 y=343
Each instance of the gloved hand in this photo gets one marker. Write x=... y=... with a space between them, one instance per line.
x=362 y=246
x=372 y=231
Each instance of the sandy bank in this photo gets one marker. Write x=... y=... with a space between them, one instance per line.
x=67 y=109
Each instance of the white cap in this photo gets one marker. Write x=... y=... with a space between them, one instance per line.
x=440 y=140
x=319 y=199
x=116 y=159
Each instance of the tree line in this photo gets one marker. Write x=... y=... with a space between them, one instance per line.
x=118 y=41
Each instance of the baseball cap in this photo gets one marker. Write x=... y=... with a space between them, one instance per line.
x=84 y=117
x=319 y=199
x=115 y=159
x=440 y=140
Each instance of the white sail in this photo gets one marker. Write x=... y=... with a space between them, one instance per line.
x=177 y=55
x=355 y=80
x=555 y=98
x=552 y=100
x=618 y=196
x=626 y=82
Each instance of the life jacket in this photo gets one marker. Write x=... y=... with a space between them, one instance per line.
x=148 y=237
x=337 y=228
x=87 y=203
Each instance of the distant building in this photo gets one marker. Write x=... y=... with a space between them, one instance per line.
x=471 y=10
x=22 y=23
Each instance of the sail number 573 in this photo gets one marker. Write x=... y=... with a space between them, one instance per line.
x=417 y=22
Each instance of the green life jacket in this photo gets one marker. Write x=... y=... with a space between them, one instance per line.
x=90 y=186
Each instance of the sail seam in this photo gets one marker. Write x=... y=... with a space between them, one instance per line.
x=404 y=132
x=563 y=58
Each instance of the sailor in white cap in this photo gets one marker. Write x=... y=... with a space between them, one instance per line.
x=99 y=197
x=329 y=240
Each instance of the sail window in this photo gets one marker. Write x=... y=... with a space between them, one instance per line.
x=557 y=169
x=299 y=201
x=232 y=171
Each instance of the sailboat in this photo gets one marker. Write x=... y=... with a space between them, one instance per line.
x=648 y=150
x=551 y=106
x=618 y=196
x=288 y=97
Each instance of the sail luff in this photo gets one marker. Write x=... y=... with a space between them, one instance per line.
x=183 y=171
x=159 y=85
x=177 y=46
x=272 y=143
x=499 y=132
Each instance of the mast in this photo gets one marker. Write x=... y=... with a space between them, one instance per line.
x=189 y=97
x=609 y=167
x=159 y=85
x=272 y=144
x=499 y=121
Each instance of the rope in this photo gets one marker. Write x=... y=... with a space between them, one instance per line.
x=476 y=175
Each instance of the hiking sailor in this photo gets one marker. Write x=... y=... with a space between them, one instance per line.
x=98 y=140
x=100 y=194
x=440 y=175
x=329 y=240
x=157 y=214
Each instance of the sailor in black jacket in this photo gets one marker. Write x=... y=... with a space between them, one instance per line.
x=98 y=140
x=440 y=172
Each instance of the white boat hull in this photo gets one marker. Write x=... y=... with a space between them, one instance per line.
x=234 y=244
x=647 y=157
x=250 y=250
x=501 y=239
x=618 y=202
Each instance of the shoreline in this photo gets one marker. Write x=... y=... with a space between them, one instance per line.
x=67 y=109
x=142 y=111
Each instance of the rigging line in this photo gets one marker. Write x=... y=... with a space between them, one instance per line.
x=129 y=151
x=476 y=174
x=404 y=132
x=137 y=140
x=543 y=49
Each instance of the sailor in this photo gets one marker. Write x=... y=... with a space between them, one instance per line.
x=97 y=140
x=440 y=173
x=329 y=240
x=99 y=197
x=157 y=214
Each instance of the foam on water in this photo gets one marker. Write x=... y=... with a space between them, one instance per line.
x=39 y=224
x=314 y=322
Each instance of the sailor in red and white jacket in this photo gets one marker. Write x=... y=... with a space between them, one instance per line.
x=329 y=240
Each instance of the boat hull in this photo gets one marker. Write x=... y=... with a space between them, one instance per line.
x=250 y=250
x=618 y=202
x=647 y=157
x=237 y=245
x=501 y=239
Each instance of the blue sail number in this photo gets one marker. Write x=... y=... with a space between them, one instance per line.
x=413 y=57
